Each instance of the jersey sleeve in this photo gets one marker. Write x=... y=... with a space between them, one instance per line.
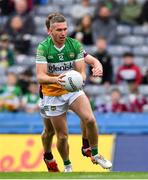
x=80 y=51
x=40 y=54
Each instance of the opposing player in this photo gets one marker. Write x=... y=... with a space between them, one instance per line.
x=56 y=55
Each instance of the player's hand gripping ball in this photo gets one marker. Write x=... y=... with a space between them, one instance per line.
x=73 y=81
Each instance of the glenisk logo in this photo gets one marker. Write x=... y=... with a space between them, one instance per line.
x=64 y=67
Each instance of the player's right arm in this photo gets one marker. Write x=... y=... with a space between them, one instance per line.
x=42 y=77
x=41 y=69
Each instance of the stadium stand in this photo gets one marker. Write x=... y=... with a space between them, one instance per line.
x=129 y=38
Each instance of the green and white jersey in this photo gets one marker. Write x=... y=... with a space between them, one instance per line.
x=31 y=100
x=58 y=60
x=11 y=96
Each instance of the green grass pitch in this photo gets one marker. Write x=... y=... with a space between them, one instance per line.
x=74 y=175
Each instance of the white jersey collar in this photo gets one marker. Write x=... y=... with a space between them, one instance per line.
x=59 y=49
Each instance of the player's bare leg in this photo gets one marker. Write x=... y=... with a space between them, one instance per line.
x=60 y=126
x=81 y=106
x=47 y=136
x=86 y=150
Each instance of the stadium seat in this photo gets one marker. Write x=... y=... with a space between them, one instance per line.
x=35 y=40
x=44 y=2
x=41 y=30
x=45 y=10
x=95 y=90
x=90 y=49
x=93 y=1
x=2 y=79
x=2 y=71
x=69 y=21
x=118 y=50
x=140 y=30
x=66 y=10
x=139 y=60
x=143 y=89
x=146 y=40
x=25 y=60
x=40 y=20
x=124 y=89
x=140 y=50
x=123 y=30
x=3 y=20
x=119 y=1
x=115 y=69
x=146 y=62
x=77 y=1
x=21 y=58
x=17 y=69
x=63 y=2
x=32 y=50
x=116 y=61
x=132 y=40
x=70 y=29
x=138 y=1
x=125 y=1
x=141 y=1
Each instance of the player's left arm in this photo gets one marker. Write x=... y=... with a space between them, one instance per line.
x=80 y=67
x=79 y=61
x=97 y=68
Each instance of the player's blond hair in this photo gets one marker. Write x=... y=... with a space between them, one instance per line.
x=53 y=18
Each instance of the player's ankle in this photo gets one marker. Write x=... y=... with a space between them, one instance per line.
x=94 y=151
x=85 y=143
x=67 y=162
x=48 y=156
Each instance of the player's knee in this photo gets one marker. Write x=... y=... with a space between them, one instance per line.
x=47 y=134
x=62 y=137
x=52 y=133
x=91 y=121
